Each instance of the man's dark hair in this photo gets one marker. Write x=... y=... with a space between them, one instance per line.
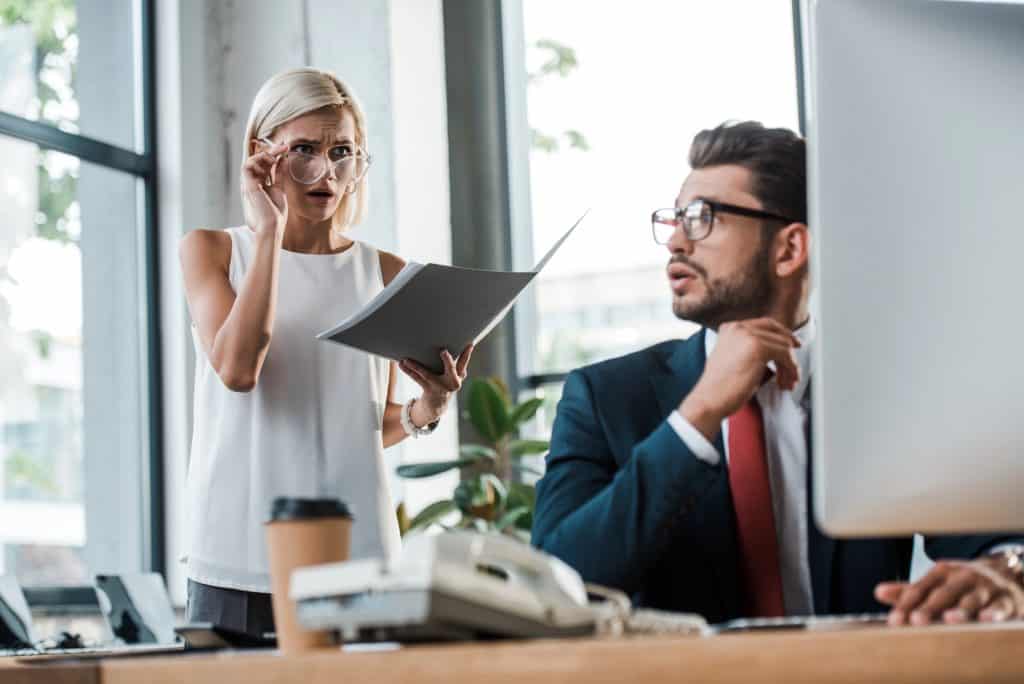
x=776 y=158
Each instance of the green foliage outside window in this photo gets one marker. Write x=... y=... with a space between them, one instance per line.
x=560 y=62
x=30 y=473
x=54 y=28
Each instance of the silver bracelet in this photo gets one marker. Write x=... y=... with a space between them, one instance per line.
x=410 y=427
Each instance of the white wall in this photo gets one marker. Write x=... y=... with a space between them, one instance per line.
x=422 y=209
x=212 y=59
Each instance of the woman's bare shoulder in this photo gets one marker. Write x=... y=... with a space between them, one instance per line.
x=390 y=265
x=205 y=246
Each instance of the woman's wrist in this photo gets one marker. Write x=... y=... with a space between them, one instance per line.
x=273 y=235
x=422 y=414
x=413 y=426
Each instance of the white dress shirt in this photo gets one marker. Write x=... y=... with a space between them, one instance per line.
x=785 y=419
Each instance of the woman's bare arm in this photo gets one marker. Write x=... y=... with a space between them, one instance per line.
x=394 y=433
x=234 y=330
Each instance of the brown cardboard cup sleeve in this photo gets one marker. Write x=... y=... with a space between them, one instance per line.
x=303 y=532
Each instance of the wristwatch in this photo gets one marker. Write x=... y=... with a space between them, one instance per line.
x=410 y=427
x=1013 y=555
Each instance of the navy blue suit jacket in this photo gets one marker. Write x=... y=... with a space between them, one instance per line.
x=627 y=504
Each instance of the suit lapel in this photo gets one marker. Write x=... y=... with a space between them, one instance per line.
x=681 y=368
x=714 y=531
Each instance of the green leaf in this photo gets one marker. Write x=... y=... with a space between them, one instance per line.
x=525 y=411
x=415 y=470
x=463 y=496
x=543 y=141
x=488 y=410
x=500 y=490
x=525 y=523
x=432 y=514
x=477 y=451
x=469 y=494
x=521 y=494
x=526 y=469
x=525 y=447
x=577 y=140
x=562 y=60
x=511 y=517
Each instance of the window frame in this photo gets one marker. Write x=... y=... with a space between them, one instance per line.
x=143 y=166
x=520 y=229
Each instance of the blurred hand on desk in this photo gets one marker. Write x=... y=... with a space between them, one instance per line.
x=987 y=589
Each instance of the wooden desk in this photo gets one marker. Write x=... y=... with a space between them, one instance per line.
x=977 y=653
x=13 y=671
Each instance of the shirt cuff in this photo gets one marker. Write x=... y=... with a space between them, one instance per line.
x=998 y=548
x=694 y=440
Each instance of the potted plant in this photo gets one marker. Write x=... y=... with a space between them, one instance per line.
x=491 y=496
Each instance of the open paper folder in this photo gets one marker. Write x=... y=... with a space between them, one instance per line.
x=427 y=308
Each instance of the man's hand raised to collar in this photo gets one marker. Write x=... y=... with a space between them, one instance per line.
x=736 y=368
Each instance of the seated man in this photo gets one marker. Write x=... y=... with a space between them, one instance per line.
x=680 y=474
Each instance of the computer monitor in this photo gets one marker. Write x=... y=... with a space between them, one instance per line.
x=915 y=129
x=138 y=607
x=16 y=629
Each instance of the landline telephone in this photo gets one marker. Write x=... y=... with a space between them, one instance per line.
x=465 y=585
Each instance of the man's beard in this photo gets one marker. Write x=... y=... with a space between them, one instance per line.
x=747 y=293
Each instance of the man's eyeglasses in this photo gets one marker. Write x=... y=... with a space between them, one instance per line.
x=350 y=163
x=697 y=219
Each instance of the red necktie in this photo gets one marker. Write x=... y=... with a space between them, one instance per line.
x=755 y=521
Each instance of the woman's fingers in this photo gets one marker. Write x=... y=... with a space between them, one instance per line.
x=463 y=364
x=280 y=209
x=255 y=173
x=259 y=166
x=450 y=380
x=412 y=369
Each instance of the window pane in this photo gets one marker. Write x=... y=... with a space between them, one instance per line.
x=613 y=103
x=49 y=47
x=70 y=413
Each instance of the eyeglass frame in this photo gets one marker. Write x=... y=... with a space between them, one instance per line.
x=720 y=207
x=359 y=153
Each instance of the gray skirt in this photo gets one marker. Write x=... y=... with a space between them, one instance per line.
x=247 y=612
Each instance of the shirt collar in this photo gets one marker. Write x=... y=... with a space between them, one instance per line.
x=806 y=333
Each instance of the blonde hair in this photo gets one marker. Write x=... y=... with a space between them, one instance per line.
x=290 y=94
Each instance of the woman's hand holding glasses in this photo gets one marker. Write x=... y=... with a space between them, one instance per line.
x=266 y=207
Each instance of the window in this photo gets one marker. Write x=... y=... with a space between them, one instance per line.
x=79 y=462
x=612 y=104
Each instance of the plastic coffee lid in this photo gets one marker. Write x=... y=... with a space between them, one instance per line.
x=289 y=508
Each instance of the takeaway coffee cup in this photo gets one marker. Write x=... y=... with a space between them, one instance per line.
x=303 y=532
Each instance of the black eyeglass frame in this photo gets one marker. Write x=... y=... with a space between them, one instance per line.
x=721 y=207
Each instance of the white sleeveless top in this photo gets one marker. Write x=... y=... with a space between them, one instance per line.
x=311 y=427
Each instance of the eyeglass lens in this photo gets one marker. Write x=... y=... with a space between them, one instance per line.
x=308 y=168
x=695 y=220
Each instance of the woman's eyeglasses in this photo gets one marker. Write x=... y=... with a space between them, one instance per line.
x=350 y=163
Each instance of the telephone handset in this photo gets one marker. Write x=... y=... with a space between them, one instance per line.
x=455 y=585
x=465 y=585
x=558 y=587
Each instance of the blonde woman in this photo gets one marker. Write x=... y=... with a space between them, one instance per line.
x=278 y=413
